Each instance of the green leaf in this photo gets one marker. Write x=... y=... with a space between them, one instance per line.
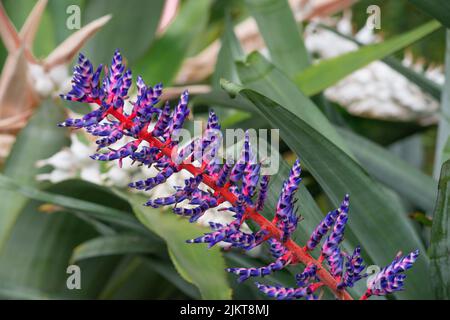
x=254 y=73
x=118 y=244
x=392 y=171
x=96 y=211
x=199 y=266
x=440 y=238
x=164 y=58
x=168 y=271
x=131 y=29
x=379 y=225
x=230 y=50
x=438 y=9
x=444 y=120
x=225 y=67
x=40 y=139
x=35 y=257
x=133 y=279
x=281 y=33
x=327 y=72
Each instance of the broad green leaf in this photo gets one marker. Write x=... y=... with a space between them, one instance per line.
x=281 y=33
x=254 y=73
x=202 y=267
x=379 y=225
x=444 y=120
x=133 y=279
x=131 y=29
x=230 y=50
x=100 y=212
x=327 y=72
x=381 y=164
x=168 y=271
x=392 y=171
x=438 y=9
x=15 y=292
x=225 y=67
x=162 y=61
x=40 y=139
x=118 y=244
x=36 y=256
x=222 y=99
x=440 y=238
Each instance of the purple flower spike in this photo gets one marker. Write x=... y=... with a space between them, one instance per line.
x=87 y=120
x=146 y=156
x=353 y=269
x=223 y=174
x=163 y=121
x=114 y=74
x=245 y=273
x=282 y=293
x=262 y=195
x=85 y=82
x=250 y=180
x=285 y=216
x=305 y=286
x=308 y=274
x=204 y=201
x=390 y=278
x=110 y=131
x=120 y=153
x=180 y=195
x=330 y=248
x=238 y=170
x=218 y=235
x=180 y=113
x=326 y=224
x=152 y=182
x=277 y=249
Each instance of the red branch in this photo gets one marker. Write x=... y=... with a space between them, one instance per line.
x=300 y=254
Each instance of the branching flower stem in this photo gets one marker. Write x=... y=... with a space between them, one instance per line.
x=299 y=254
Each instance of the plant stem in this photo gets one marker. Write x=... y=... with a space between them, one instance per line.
x=299 y=253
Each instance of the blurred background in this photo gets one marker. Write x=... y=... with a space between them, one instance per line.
x=366 y=78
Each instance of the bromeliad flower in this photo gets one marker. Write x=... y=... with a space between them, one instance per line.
x=237 y=186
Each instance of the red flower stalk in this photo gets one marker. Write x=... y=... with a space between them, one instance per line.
x=152 y=130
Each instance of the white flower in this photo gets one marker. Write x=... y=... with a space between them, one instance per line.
x=376 y=90
x=50 y=83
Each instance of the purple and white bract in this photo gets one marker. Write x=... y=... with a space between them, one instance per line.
x=239 y=185
x=391 y=277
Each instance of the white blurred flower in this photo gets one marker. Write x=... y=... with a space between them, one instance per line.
x=70 y=163
x=377 y=90
x=52 y=83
